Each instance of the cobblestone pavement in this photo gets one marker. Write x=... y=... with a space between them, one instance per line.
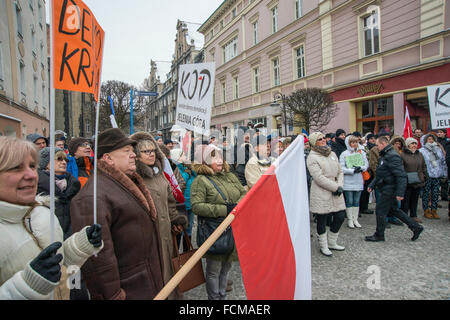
x=408 y=270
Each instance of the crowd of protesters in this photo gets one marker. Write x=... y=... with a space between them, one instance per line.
x=127 y=252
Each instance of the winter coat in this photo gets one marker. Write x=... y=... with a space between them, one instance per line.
x=242 y=156
x=188 y=176
x=352 y=181
x=447 y=156
x=165 y=204
x=130 y=265
x=391 y=176
x=18 y=281
x=255 y=168
x=436 y=168
x=414 y=162
x=374 y=156
x=327 y=176
x=338 y=147
x=63 y=198
x=80 y=168
x=206 y=200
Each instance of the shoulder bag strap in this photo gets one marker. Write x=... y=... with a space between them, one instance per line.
x=217 y=188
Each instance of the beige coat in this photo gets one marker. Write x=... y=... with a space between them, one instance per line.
x=327 y=176
x=255 y=168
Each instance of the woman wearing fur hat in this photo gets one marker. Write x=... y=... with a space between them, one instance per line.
x=413 y=161
x=353 y=179
x=327 y=187
x=150 y=166
x=31 y=265
x=207 y=202
x=434 y=156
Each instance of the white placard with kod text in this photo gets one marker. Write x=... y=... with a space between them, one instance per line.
x=195 y=96
x=439 y=102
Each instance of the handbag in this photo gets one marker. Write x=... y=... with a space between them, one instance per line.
x=413 y=177
x=206 y=226
x=366 y=175
x=196 y=276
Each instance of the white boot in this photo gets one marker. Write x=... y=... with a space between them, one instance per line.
x=323 y=243
x=349 y=218
x=355 y=216
x=332 y=241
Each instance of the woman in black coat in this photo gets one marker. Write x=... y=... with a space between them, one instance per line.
x=66 y=186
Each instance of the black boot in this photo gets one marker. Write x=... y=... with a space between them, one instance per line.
x=416 y=232
x=374 y=238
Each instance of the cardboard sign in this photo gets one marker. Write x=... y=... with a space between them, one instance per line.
x=439 y=102
x=195 y=96
x=354 y=160
x=77 y=48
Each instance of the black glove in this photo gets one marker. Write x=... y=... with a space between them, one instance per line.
x=357 y=170
x=230 y=207
x=47 y=263
x=94 y=234
x=338 y=192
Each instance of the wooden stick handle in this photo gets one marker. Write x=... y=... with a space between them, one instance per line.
x=176 y=279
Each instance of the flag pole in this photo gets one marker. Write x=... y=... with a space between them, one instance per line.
x=52 y=128
x=97 y=120
x=176 y=279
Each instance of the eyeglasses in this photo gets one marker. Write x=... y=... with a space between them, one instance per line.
x=86 y=145
x=148 y=152
x=320 y=139
x=62 y=159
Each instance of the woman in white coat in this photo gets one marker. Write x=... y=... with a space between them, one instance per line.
x=353 y=179
x=326 y=192
x=30 y=264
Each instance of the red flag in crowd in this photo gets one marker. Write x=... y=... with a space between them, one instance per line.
x=407 y=129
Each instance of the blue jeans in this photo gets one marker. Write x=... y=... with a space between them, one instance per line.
x=352 y=198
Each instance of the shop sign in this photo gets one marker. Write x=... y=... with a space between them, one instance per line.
x=439 y=103
x=374 y=88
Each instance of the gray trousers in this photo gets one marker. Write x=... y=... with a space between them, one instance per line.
x=216 y=279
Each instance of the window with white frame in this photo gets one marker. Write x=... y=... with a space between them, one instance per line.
x=35 y=89
x=1 y=61
x=256 y=80
x=230 y=50
x=274 y=19
x=298 y=9
x=255 y=32
x=33 y=40
x=224 y=92
x=276 y=71
x=300 y=61
x=233 y=13
x=236 y=87
x=22 y=77
x=19 y=20
x=371 y=31
x=40 y=13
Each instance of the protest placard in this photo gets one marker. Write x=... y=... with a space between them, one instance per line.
x=195 y=97
x=354 y=160
x=439 y=102
x=77 y=49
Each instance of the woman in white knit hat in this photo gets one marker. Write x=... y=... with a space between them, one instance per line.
x=326 y=197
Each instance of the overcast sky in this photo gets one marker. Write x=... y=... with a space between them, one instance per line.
x=137 y=31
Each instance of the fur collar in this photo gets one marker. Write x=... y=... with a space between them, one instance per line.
x=203 y=169
x=133 y=183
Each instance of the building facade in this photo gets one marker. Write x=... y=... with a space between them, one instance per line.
x=162 y=109
x=374 y=56
x=24 y=71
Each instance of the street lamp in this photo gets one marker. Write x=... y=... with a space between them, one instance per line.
x=276 y=104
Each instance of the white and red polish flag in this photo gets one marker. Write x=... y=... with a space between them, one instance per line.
x=407 y=129
x=272 y=232
x=170 y=176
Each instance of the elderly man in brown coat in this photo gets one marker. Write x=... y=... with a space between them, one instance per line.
x=130 y=265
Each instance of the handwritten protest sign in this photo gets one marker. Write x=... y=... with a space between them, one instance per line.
x=354 y=160
x=195 y=95
x=78 y=47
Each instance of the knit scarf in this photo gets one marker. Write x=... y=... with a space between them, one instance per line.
x=434 y=154
x=323 y=150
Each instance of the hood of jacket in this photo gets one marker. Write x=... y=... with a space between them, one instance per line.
x=203 y=169
x=398 y=138
x=142 y=169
